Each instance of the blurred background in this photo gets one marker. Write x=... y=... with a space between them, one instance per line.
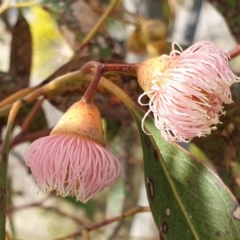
x=41 y=40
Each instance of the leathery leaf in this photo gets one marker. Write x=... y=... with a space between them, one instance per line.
x=187 y=199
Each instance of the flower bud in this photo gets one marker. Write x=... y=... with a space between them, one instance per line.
x=82 y=119
x=73 y=161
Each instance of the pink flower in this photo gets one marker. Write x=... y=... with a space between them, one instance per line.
x=73 y=161
x=71 y=165
x=187 y=90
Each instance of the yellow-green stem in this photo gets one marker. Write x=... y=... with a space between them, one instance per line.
x=4 y=6
x=15 y=96
x=100 y=22
x=4 y=168
x=56 y=83
x=23 y=5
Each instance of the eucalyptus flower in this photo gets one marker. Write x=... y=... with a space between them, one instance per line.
x=186 y=90
x=72 y=160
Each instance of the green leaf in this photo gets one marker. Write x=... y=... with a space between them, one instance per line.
x=222 y=147
x=187 y=199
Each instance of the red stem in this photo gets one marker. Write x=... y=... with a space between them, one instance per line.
x=235 y=52
x=102 y=68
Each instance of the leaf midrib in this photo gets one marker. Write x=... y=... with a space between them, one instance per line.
x=172 y=185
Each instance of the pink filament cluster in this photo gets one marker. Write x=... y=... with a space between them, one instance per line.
x=186 y=98
x=71 y=165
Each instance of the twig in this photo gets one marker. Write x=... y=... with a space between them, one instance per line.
x=137 y=209
x=64 y=214
x=11 y=210
x=15 y=96
x=99 y=23
x=28 y=120
x=120 y=19
x=99 y=69
x=4 y=6
x=28 y=137
x=235 y=52
x=39 y=204
x=40 y=89
x=23 y=5
x=85 y=234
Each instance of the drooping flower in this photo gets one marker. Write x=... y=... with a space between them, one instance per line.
x=187 y=89
x=73 y=160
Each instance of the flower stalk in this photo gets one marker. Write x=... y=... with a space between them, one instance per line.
x=99 y=70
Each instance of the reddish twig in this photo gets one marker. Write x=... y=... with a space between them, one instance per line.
x=11 y=210
x=64 y=214
x=235 y=52
x=99 y=69
x=39 y=204
x=28 y=120
x=132 y=211
x=85 y=234
x=29 y=137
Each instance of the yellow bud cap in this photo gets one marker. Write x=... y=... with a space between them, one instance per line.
x=148 y=71
x=82 y=119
